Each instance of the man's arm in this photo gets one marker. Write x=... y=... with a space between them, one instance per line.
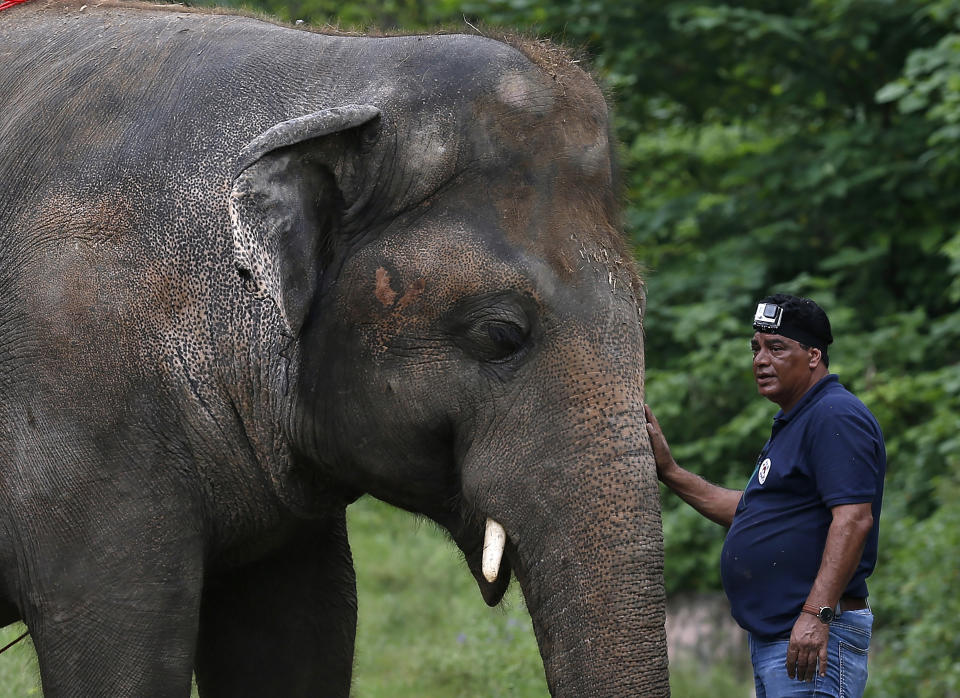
x=841 y=554
x=714 y=502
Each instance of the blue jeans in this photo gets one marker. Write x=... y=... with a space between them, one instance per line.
x=846 y=663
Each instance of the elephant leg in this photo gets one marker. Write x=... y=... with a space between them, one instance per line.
x=284 y=625
x=118 y=617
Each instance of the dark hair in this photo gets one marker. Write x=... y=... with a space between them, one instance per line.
x=804 y=321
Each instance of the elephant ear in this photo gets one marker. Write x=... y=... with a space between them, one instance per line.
x=291 y=185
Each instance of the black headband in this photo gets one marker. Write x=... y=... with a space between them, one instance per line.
x=771 y=319
x=798 y=334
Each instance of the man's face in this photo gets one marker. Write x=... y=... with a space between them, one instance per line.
x=782 y=368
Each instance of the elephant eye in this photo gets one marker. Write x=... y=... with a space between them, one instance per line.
x=506 y=340
x=494 y=328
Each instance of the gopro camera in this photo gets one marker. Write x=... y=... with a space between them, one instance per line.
x=767 y=318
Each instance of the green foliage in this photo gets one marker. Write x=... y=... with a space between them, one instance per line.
x=920 y=564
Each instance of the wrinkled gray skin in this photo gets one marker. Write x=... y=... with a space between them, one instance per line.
x=233 y=303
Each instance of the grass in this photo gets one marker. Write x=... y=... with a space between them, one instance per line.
x=18 y=665
x=692 y=680
x=424 y=630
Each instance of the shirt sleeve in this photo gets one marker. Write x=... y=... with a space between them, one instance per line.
x=845 y=452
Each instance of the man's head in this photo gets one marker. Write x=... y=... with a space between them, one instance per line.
x=789 y=347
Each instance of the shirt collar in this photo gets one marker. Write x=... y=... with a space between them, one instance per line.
x=780 y=419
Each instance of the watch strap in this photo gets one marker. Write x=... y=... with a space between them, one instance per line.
x=818 y=611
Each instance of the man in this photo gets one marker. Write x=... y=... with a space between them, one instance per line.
x=803 y=534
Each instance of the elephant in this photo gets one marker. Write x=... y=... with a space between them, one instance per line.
x=252 y=272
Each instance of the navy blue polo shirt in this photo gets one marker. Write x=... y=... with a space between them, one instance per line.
x=828 y=450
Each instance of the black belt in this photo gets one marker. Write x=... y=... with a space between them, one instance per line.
x=851 y=603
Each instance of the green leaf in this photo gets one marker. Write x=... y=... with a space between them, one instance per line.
x=892 y=91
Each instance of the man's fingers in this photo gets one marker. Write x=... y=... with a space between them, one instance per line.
x=810 y=669
x=803 y=670
x=661 y=451
x=807 y=649
x=809 y=663
x=792 y=662
x=802 y=663
x=651 y=419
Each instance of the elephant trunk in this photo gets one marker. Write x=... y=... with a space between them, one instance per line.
x=593 y=582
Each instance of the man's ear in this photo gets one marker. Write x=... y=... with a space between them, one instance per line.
x=291 y=185
x=816 y=357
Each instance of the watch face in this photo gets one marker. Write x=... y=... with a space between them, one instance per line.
x=826 y=614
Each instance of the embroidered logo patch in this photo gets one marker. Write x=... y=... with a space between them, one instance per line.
x=764 y=469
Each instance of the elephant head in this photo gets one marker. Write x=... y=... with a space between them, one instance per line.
x=465 y=337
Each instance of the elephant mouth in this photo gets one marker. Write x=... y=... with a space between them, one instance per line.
x=492 y=587
x=470 y=536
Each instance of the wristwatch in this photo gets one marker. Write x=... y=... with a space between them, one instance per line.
x=824 y=613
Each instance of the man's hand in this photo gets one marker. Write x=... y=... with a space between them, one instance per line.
x=661 y=451
x=808 y=644
x=841 y=554
x=716 y=503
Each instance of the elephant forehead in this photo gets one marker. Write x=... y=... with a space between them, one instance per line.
x=404 y=285
x=568 y=230
x=550 y=174
x=417 y=278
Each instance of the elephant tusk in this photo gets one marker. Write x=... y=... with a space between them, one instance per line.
x=493 y=541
